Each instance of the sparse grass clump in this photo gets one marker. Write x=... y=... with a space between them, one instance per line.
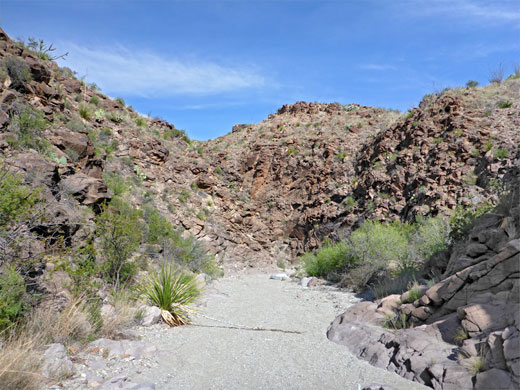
x=501 y=153
x=504 y=104
x=85 y=111
x=141 y=122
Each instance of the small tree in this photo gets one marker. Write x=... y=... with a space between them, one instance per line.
x=118 y=228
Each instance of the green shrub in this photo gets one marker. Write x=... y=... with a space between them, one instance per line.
x=159 y=228
x=76 y=124
x=119 y=230
x=173 y=291
x=175 y=133
x=85 y=111
x=94 y=100
x=501 y=153
x=384 y=256
x=472 y=84
x=12 y=298
x=461 y=221
x=187 y=252
x=328 y=261
x=504 y=104
x=116 y=184
x=120 y=101
x=430 y=236
x=18 y=71
x=141 y=122
x=28 y=124
x=16 y=200
x=116 y=116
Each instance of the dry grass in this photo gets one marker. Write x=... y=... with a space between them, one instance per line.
x=65 y=328
x=20 y=363
x=21 y=351
x=123 y=316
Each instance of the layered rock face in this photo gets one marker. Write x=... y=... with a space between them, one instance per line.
x=465 y=332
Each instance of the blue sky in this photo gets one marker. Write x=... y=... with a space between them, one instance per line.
x=206 y=65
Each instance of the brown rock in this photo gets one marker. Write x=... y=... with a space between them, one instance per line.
x=88 y=190
x=76 y=142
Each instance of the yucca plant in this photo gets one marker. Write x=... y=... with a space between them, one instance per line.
x=172 y=291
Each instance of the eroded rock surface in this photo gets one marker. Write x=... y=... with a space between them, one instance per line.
x=466 y=327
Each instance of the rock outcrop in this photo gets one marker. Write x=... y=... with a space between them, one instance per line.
x=464 y=329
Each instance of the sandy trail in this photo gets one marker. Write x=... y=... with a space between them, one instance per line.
x=213 y=355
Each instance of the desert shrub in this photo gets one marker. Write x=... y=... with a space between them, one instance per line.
x=116 y=116
x=17 y=215
x=159 y=228
x=94 y=100
x=172 y=290
x=497 y=74
x=99 y=115
x=384 y=256
x=501 y=153
x=44 y=50
x=76 y=124
x=28 y=125
x=504 y=104
x=430 y=236
x=186 y=252
x=175 y=133
x=141 y=122
x=116 y=183
x=462 y=219
x=85 y=111
x=328 y=261
x=104 y=143
x=119 y=230
x=13 y=301
x=16 y=199
x=18 y=71
x=120 y=101
x=472 y=84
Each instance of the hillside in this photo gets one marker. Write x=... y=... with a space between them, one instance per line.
x=254 y=199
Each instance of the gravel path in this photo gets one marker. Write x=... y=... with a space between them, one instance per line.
x=213 y=355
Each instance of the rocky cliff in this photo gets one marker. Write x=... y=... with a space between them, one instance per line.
x=265 y=192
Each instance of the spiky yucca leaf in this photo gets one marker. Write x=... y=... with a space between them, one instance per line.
x=172 y=291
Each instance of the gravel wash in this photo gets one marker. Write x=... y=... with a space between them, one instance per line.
x=217 y=355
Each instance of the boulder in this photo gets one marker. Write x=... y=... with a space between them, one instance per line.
x=151 y=315
x=56 y=364
x=88 y=190
x=78 y=143
x=37 y=168
x=494 y=379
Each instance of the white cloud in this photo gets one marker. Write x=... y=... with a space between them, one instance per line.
x=471 y=10
x=377 y=67
x=119 y=70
